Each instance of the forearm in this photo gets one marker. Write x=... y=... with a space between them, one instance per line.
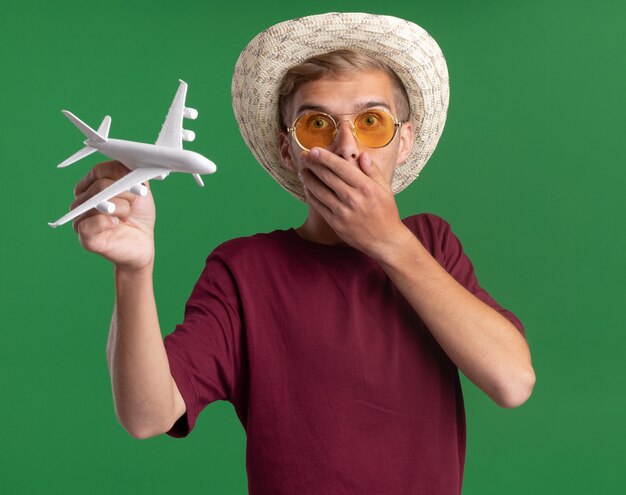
x=483 y=344
x=147 y=401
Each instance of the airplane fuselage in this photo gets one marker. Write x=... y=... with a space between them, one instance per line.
x=135 y=155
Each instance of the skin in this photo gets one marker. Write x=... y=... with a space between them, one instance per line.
x=348 y=191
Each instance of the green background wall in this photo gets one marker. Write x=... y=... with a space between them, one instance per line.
x=529 y=172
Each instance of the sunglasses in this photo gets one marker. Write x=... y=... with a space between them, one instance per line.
x=374 y=128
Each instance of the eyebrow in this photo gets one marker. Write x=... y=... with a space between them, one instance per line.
x=357 y=107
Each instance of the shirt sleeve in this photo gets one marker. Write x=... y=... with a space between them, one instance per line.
x=437 y=236
x=460 y=267
x=204 y=352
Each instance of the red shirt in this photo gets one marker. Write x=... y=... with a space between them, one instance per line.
x=339 y=385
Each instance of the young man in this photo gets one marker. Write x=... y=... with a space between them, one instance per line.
x=338 y=342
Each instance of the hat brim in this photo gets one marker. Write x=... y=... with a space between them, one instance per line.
x=407 y=48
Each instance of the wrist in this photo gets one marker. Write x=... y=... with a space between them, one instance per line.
x=405 y=250
x=394 y=247
x=130 y=285
x=126 y=272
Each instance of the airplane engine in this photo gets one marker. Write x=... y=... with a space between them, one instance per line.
x=139 y=190
x=106 y=207
x=190 y=113
x=188 y=135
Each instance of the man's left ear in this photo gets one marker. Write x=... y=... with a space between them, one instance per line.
x=285 y=154
x=406 y=141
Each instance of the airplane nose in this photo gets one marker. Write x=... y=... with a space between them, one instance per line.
x=209 y=166
x=198 y=164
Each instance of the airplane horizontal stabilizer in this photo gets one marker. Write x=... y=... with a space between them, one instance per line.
x=86 y=151
x=85 y=129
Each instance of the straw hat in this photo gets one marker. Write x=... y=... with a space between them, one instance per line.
x=409 y=50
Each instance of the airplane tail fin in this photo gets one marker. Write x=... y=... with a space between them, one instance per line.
x=88 y=131
x=103 y=130
x=86 y=151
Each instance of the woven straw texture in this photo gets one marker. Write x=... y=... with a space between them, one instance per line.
x=409 y=50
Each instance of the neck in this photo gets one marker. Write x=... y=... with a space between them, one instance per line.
x=316 y=229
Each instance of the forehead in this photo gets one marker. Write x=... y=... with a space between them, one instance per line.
x=345 y=93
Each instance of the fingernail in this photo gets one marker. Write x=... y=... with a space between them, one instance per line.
x=115 y=220
x=315 y=152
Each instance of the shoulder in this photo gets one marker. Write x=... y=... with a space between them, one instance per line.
x=244 y=257
x=427 y=226
x=243 y=250
x=435 y=234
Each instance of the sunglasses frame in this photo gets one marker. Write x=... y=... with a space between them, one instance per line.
x=396 y=124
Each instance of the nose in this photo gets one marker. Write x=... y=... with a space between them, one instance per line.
x=345 y=144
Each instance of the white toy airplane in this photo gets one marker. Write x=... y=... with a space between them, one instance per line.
x=147 y=161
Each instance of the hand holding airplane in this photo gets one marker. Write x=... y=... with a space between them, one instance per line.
x=147 y=161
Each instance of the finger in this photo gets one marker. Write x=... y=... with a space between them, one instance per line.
x=122 y=212
x=97 y=187
x=123 y=207
x=370 y=168
x=329 y=178
x=88 y=214
x=90 y=228
x=319 y=189
x=373 y=171
x=324 y=210
x=111 y=170
x=350 y=174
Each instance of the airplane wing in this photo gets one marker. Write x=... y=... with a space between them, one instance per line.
x=134 y=178
x=171 y=132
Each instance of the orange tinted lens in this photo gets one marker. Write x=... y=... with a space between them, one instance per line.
x=374 y=128
x=315 y=129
